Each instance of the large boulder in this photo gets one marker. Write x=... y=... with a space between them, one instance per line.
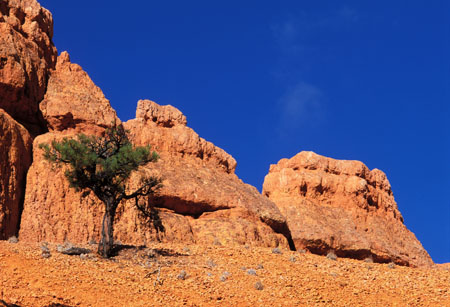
x=27 y=55
x=15 y=158
x=342 y=206
x=202 y=200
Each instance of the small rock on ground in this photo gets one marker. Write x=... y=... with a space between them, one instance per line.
x=276 y=250
x=13 y=240
x=332 y=256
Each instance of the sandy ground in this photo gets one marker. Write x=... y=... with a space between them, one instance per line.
x=215 y=275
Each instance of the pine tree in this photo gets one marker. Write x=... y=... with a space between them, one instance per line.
x=103 y=165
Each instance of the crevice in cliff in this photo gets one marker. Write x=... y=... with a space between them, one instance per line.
x=319 y=247
x=22 y=201
x=281 y=228
x=184 y=207
x=35 y=129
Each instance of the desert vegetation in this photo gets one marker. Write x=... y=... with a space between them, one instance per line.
x=102 y=165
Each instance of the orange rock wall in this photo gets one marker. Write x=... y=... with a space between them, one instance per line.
x=27 y=54
x=343 y=206
x=202 y=200
x=15 y=158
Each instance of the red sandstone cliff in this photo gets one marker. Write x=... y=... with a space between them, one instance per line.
x=202 y=199
x=27 y=55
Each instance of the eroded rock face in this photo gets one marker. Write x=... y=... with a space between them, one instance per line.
x=73 y=101
x=202 y=199
x=343 y=206
x=27 y=54
x=15 y=158
x=164 y=128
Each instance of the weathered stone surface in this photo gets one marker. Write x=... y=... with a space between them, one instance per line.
x=165 y=116
x=27 y=54
x=164 y=127
x=202 y=199
x=15 y=158
x=73 y=101
x=343 y=206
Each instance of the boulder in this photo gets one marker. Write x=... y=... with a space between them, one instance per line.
x=15 y=158
x=27 y=55
x=202 y=200
x=342 y=206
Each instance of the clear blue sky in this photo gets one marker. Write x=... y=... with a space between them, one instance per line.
x=362 y=80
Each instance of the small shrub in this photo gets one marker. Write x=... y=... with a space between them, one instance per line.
x=391 y=265
x=259 y=285
x=210 y=263
x=224 y=276
x=45 y=250
x=251 y=272
x=182 y=275
x=44 y=247
x=260 y=267
x=292 y=259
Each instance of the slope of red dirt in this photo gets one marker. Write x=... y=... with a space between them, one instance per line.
x=149 y=277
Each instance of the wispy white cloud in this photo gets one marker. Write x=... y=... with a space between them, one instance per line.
x=301 y=106
x=293 y=32
x=304 y=104
x=287 y=36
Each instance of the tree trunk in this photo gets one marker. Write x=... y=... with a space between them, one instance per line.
x=105 y=247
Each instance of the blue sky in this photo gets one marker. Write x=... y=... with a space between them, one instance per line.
x=353 y=80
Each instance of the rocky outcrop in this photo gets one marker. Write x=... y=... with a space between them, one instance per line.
x=15 y=158
x=202 y=200
x=343 y=206
x=73 y=101
x=27 y=54
x=164 y=127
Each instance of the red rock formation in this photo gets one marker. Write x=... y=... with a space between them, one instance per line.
x=73 y=101
x=202 y=199
x=148 y=128
x=15 y=158
x=342 y=205
x=26 y=56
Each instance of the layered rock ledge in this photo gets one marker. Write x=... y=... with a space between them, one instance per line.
x=342 y=206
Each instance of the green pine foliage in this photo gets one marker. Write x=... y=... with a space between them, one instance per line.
x=103 y=165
